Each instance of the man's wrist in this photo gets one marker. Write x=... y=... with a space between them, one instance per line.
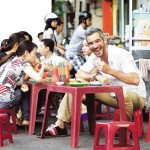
x=94 y=76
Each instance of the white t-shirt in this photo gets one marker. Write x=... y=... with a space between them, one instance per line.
x=58 y=37
x=122 y=60
x=47 y=32
x=54 y=59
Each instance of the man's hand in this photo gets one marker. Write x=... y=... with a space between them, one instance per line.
x=103 y=79
x=103 y=67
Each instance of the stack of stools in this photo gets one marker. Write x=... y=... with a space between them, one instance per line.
x=5 y=126
x=11 y=112
x=138 y=119
x=111 y=128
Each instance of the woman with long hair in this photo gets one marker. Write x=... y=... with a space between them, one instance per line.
x=11 y=44
x=13 y=72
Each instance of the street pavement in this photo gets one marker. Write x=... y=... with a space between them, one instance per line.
x=23 y=141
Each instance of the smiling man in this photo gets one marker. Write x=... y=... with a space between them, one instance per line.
x=116 y=67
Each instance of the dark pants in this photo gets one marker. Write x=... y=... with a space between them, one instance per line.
x=21 y=99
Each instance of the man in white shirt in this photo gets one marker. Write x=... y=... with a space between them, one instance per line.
x=116 y=66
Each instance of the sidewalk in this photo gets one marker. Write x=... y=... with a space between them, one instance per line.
x=23 y=141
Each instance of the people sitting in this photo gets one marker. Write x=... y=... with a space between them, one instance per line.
x=14 y=72
x=12 y=44
x=49 y=58
x=116 y=67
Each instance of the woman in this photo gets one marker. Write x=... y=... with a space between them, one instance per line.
x=26 y=35
x=12 y=44
x=51 y=24
x=13 y=72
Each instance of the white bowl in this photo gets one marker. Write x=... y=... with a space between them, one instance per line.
x=59 y=83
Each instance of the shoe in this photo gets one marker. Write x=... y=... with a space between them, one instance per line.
x=41 y=112
x=53 y=131
x=25 y=123
x=42 y=108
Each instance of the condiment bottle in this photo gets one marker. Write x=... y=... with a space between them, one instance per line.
x=55 y=77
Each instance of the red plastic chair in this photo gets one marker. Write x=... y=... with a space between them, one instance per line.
x=138 y=119
x=102 y=114
x=97 y=114
x=5 y=126
x=148 y=131
x=110 y=129
x=13 y=116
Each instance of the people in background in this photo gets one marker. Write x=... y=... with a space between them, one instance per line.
x=58 y=34
x=72 y=53
x=11 y=45
x=26 y=35
x=3 y=44
x=51 y=24
x=40 y=36
x=117 y=68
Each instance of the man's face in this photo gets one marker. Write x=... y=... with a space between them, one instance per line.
x=96 y=44
x=42 y=49
x=89 y=22
x=60 y=28
x=41 y=37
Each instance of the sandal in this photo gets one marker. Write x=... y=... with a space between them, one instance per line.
x=54 y=130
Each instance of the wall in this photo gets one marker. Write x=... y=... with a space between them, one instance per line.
x=17 y=15
x=145 y=2
x=95 y=9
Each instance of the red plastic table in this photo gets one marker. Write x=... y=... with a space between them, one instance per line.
x=77 y=93
x=35 y=88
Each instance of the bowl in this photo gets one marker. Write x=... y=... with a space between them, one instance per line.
x=60 y=83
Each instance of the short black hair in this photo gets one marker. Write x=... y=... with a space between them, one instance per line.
x=41 y=33
x=49 y=43
x=59 y=22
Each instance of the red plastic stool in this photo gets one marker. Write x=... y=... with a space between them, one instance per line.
x=148 y=131
x=110 y=129
x=103 y=114
x=138 y=119
x=13 y=116
x=5 y=126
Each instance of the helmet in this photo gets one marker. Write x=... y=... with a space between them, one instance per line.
x=84 y=15
x=50 y=16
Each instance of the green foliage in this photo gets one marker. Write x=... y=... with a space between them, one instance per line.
x=57 y=8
